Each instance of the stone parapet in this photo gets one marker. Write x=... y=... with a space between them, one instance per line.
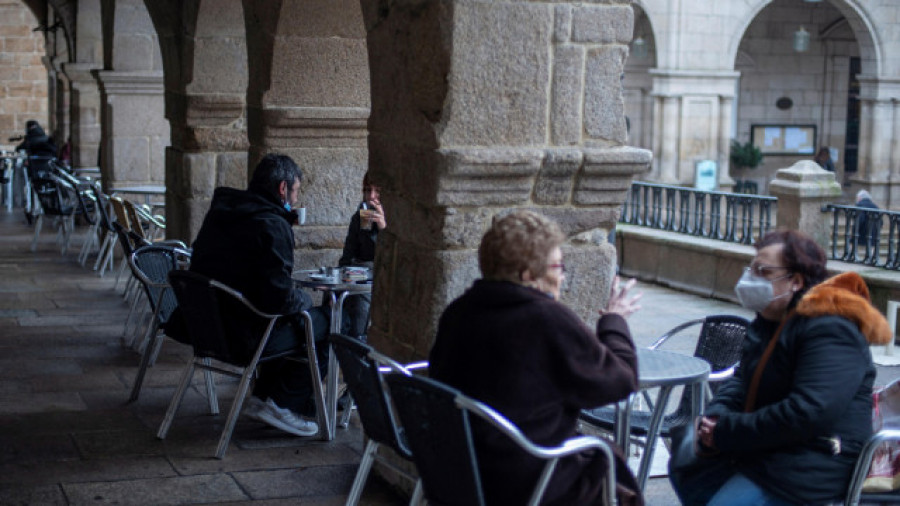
x=711 y=268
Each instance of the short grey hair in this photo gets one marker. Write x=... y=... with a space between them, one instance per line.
x=519 y=241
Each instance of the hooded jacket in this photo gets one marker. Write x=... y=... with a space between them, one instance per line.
x=246 y=242
x=815 y=389
x=536 y=362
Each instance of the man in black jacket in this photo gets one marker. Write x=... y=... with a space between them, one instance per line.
x=246 y=242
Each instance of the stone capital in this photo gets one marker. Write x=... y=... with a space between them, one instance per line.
x=607 y=173
x=130 y=83
x=878 y=89
x=315 y=126
x=80 y=73
x=487 y=176
x=668 y=82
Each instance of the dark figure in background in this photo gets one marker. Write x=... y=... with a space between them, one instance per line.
x=788 y=427
x=823 y=158
x=359 y=250
x=36 y=141
x=866 y=230
x=246 y=242
x=508 y=342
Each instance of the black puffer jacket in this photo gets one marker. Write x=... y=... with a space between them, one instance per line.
x=816 y=385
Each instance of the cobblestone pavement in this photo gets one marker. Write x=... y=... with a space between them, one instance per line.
x=68 y=436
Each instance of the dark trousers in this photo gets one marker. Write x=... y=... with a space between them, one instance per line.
x=289 y=382
x=355 y=316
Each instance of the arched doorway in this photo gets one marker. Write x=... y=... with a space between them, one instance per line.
x=795 y=97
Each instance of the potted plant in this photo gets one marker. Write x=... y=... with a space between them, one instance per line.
x=745 y=156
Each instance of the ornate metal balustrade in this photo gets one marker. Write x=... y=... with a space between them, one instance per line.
x=857 y=236
x=699 y=213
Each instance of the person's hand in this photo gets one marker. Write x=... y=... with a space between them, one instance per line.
x=619 y=301
x=705 y=431
x=377 y=216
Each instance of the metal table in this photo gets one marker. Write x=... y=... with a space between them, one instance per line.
x=337 y=292
x=664 y=370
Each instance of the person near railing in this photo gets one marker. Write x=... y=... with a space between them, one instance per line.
x=788 y=426
x=508 y=342
x=865 y=231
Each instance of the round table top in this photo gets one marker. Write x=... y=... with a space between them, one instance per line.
x=661 y=368
x=303 y=277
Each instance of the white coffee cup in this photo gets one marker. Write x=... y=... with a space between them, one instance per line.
x=301 y=215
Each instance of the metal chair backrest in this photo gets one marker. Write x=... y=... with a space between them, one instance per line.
x=55 y=195
x=137 y=224
x=360 y=367
x=720 y=343
x=440 y=436
x=121 y=215
x=204 y=303
x=436 y=421
x=152 y=265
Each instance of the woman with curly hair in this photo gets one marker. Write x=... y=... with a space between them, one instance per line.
x=510 y=343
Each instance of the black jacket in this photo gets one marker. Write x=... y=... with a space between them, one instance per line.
x=246 y=242
x=359 y=246
x=816 y=385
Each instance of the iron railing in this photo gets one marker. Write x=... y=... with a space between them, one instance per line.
x=857 y=236
x=699 y=213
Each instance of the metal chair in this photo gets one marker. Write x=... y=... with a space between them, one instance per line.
x=362 y=367
x=151 y=266
x=720 y=343
x=216 y=340
x=889 y=400
x=56 y=198
x=436 y=421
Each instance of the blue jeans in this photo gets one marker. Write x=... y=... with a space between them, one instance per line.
x=740 y=491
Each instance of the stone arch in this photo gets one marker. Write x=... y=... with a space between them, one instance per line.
x=870 y=47
x=638 y=82
x=134 y=131
x=308 y=97
x=206 y=75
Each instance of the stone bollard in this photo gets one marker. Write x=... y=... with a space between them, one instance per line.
x=802 y=189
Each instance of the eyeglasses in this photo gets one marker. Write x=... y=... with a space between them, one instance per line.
x=764 y=271
x=560 y=266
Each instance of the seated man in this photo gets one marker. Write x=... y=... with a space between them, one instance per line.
x=359 y=250
x=246 y=242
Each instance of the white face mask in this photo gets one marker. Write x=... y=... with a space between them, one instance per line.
x=755 y=292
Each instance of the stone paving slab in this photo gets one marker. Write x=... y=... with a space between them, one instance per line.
x=84 y=471
x=210 y=488
x=299 y=482
x=45 y=495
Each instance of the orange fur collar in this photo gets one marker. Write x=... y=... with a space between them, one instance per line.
x=847 y=295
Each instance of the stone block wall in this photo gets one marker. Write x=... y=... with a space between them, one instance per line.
x=23 y=77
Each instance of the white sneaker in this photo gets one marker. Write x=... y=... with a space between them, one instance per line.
x=253 y=406
x=286 y=420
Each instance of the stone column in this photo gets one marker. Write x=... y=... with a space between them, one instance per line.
x=134 y=137
x=85 y=113
x=62 y=106
x=209 y=149
x=802 y=189
x=726 y=183
x=480 y=108
x=695 y=123
x=879 y=165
